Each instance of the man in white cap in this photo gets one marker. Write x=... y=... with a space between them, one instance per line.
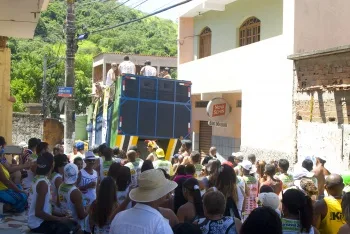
x=152 y=191
x=70 y=197
x=251 y=188
x=320 y=174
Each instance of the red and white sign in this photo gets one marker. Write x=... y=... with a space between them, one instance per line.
x=218 y=109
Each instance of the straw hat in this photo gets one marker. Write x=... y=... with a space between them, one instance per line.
x=152 y=186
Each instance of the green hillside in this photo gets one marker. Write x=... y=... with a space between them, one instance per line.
x=153 y=36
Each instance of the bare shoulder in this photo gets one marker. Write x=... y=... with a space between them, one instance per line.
x=320 y=207
x=345 y=229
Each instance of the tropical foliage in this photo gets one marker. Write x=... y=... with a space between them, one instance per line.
x=153 y=36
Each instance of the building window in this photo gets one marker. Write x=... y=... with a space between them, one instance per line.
x=205 y=43
x=202 y=104
x=249 y=32
x=239 y=103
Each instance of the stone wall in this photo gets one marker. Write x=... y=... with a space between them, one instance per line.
x=26 y=126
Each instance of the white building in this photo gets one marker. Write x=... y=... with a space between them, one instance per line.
x=237 y=50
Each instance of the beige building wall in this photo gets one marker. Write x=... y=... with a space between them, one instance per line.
x=321 y=24
x=5 y=104
x=233 y=131
x=185 y=40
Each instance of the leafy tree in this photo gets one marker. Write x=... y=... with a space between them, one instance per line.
x=152 y=36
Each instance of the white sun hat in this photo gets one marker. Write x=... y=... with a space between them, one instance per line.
x=152 y=186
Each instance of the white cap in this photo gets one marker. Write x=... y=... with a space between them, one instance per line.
x=247 y=165
x=70 y=173
x=269 y=200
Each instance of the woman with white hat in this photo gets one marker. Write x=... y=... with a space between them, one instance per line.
x=153 y=189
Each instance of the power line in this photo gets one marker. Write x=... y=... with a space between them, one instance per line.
x=121 y=4
x=139 y=4
x=164 y=5
x=141 y=18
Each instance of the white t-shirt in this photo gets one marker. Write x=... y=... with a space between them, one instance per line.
x=141 y=219
x=149 y=71
x=90 y=195
x=127 y=67
x=135 y=170
x=110 y=77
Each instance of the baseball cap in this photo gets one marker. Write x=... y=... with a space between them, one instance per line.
x=160 y=153
x=89 y=155
x=269 y=200
x=70 y=173
x=247 y=165
x=79 y=145
x=152 y=144
x=44 y=163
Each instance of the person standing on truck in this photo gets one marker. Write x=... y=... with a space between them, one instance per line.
x=127 y=67
x=111 y=78
x=148 y=70
x=166 y=73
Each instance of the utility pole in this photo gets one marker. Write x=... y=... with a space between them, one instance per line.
x=69 y=110
x=44 y=94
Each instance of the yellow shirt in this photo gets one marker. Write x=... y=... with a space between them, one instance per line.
x=334 y=218
x=7 y=175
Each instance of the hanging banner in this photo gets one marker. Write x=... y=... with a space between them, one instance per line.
x=93 y=135
x=105 y=114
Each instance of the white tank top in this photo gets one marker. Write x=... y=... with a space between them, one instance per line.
x=135 y=171
x=53 y=189
x=33 y=221
x=64 y=192
x=90 y=195
x=122 y=195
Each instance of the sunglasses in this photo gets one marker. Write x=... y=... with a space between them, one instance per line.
x=90 y=160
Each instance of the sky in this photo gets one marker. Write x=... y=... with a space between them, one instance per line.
x=152 y=5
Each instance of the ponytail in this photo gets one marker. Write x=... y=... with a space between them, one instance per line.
x=306 y=214
x=192 y=186
x=197 y=201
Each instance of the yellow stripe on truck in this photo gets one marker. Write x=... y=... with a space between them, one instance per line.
x=171 y=148
x=120 y=141
x=133 y=141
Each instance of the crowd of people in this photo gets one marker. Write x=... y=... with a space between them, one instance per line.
x=112 y=191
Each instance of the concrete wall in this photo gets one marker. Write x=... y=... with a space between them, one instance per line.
x=26 y=126
x=321 y=24
x=329 y=140
x=225 y=25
